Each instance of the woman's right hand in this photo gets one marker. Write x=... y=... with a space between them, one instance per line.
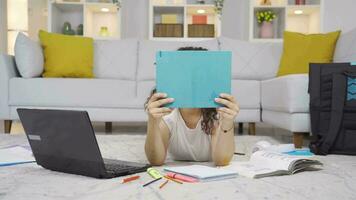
x=155 y=108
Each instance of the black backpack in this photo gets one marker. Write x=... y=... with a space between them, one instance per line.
x=332 y=90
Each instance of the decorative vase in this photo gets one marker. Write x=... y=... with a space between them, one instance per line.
x=80 y=29
x=67 y=29
x=266 y=2
x=299 y=2
x=104 y=31
x=266 y=30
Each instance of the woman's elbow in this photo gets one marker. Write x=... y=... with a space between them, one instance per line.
x=222 y=160
x=156 y=161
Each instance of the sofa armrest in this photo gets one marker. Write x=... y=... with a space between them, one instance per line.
x=8 y=70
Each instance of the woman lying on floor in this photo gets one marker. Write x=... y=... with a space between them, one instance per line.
x=190 y=134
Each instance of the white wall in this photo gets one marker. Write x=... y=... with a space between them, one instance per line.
x=339 y=14
x=3 y=29
x=235 y=19
x=134 y=19
x=37 y=17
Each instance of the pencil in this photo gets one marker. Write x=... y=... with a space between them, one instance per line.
x=132 y=178
x=151 y=182
x=163 y=184
x=172 y=179
x=241 y=154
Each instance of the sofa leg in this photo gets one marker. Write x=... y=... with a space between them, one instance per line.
x=241 y=128
x=298 y=139
x=252 y=128
x=108 y=127
x=7 y=126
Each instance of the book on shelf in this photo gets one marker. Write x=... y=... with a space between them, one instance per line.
x=169 y=19
x=200 y=19
x=267 y=163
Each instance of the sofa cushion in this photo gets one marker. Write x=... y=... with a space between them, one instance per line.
x=301 y=49
x=286 y=94
x=247 y=92
x=67 y=56
x=115 y=59
x=252 y=61
x=346 y=47
x=148 y=49
x=57 y=92
x=28 y=56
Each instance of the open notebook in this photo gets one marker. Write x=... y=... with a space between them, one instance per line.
x=203 y=173
x=15 y=155
x=267 y=163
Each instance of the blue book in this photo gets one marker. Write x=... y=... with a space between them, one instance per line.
x=193 y=78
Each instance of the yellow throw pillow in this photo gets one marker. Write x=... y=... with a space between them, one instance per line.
x=67 y=56
x=299 y=50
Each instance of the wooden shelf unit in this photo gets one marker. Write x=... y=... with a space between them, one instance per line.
x=184 y=11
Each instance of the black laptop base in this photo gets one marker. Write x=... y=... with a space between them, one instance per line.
x=64 y=141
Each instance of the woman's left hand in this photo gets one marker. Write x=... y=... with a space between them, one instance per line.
x=230 y=110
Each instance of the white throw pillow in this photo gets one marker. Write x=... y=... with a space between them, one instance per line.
x=28 y=56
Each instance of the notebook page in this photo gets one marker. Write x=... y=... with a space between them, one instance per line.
x=273 y=160
x=15 y=154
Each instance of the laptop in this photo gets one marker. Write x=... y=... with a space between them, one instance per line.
x=64 y=141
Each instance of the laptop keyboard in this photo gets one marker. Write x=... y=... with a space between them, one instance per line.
x=119 y=167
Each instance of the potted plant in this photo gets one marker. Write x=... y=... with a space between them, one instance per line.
x=265 y=19
x=219 y=4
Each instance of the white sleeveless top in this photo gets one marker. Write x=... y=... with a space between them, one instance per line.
x=185 y=143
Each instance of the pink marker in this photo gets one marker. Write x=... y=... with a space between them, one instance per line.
x=182 y=177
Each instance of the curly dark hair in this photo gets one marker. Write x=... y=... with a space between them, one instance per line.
x=209 y=114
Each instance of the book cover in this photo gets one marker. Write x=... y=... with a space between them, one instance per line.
x=169 y=19
x=193 y=78
x=200 y=19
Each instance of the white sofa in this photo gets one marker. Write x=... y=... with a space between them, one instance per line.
x=124 y=71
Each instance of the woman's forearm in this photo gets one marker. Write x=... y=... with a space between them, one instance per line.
x=154 y=146
x=224 y=146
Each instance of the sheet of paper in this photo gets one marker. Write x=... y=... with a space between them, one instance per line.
x=248 y=169
x=15 y=154
x=193 y=78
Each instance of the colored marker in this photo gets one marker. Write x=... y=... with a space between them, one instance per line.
x=182 y=177
x=163 y=184
x=151 y=182
x=132 y=178
x=172 y=179
x=154 y=173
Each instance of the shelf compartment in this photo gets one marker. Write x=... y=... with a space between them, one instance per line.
x=278 y=22
x=308 y=22
x=273 y=3
x=195 y=2
x=66 y=12
x=168 y=2
x=95 y=19
x=307 y=2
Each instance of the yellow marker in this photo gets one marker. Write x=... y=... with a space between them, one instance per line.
x=154 y=173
